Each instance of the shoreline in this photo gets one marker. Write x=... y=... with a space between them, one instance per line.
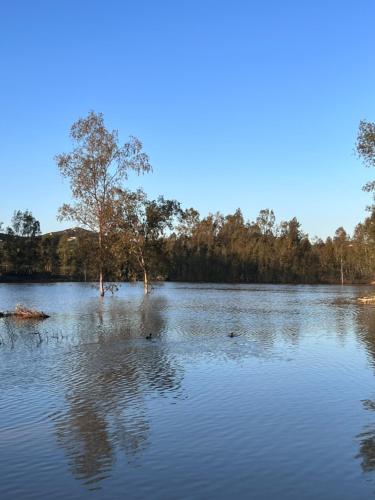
x=59 y=279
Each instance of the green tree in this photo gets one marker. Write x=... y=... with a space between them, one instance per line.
x=141 y=223
x=22 y=244
x=49 y=261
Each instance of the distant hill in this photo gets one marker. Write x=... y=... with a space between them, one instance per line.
x=70 y=232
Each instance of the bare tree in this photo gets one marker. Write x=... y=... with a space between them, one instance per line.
x=96 y=167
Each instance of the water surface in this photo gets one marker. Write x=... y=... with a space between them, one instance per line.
x=90 y=408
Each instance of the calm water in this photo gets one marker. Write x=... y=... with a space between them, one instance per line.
x=89 y=408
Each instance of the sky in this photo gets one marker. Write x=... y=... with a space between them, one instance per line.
x=250 y=104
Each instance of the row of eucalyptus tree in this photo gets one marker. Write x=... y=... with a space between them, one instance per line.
x=149 y=242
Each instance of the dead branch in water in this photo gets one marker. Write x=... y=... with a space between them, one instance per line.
x=366 y=300
x=24 y=313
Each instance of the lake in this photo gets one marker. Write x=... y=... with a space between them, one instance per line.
x=91 y=408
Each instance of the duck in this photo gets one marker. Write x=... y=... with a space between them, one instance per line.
x=149 y=336
x=231 y=335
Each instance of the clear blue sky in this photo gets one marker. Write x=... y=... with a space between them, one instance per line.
x=249 y=104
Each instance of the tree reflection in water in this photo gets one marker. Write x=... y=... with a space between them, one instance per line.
x=367 y=451
x=107 y=385
x=366 y=333
x=367 y=443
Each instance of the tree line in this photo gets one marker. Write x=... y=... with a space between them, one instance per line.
x=173 y=244
x=123 y=235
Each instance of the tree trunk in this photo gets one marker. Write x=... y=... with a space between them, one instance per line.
x=101 y=285
x=342 y=271
x=145 y=282
x=145 y=275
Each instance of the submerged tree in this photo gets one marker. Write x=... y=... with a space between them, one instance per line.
x=141 y=223
x=96 y=167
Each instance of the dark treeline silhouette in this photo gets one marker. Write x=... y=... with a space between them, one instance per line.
x=230 y=249
x=215 y=248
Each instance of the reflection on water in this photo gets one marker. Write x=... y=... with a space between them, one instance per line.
x=106 y=382
x=366 y=438
x=285 y=409
x=367 y=443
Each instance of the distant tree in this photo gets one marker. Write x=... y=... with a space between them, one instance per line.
x=24 y=224
x=49 y=261
x=21 y=244
x=340 y=242
x=86 y=259
x=96 y=167
x=67 y=256
x=293 y=248
x=188 y=221
x=141 y=224
x=291 y=231
x=266 y=222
